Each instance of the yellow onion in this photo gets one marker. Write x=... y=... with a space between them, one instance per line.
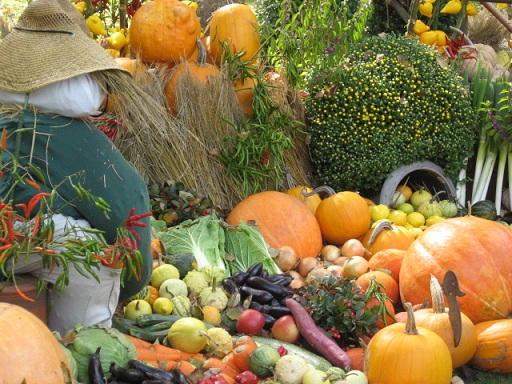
x=452 y=7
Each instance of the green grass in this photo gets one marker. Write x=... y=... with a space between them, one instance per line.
x=474 y=376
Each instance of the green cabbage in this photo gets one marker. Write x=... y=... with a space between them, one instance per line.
x=82 y=342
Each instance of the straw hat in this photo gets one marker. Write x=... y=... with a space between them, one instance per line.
x=50 y=43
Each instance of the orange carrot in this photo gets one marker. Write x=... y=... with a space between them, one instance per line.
x=245 y=339
x=228 y=378
x=160 y=352
x=185 y=367
x=167 y=365
x=138 y=343
x=213 y=362
x=241 y=356
x=230 y=363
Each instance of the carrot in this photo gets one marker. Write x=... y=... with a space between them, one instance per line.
x=245 y=339
x=231 y=368
x=327 y=347
x=160 y=352
x=185 y=367
x=167 y=365
x=213 y=362
x=138 y=343
x=153 y=363
x=229 y=379
x=241 y=356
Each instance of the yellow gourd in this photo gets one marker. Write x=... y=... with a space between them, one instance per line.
x=471 y=9
x=420 y=27
x=96 y=25
x=452 y=7
x=426 y=8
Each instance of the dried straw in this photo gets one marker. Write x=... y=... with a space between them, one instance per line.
x=484 y=28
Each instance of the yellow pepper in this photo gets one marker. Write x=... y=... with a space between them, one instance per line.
x=80 y=6
x=117 y=40
x=471 y=9
x=425 y=8
x=452 y=7
x=420 y=27
x=96 y=25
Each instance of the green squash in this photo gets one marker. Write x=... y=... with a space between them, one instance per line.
x=484 y=209
x=262 y=360
x=184 y=262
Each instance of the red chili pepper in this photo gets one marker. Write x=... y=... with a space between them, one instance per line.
x=23 y=296
x=216 y=379
x=246 y=377
x=32 y=183
x=282 y=350
x=32 y=203
x=4 y=138
x=37 y=220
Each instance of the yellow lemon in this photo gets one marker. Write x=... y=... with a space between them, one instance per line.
x=416 y=219
x=398 y=217
x=415 y=231
x=434 y=220
x=379 y=212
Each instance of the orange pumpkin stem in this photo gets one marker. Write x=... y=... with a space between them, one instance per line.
x=437 y=295
x=322 y=188
x=381 y=226
x=410 y=326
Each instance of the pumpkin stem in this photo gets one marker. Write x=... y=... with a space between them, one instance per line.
x=322 y=188
x=381 y=226
x=201 y=56
x=437 y=295
x=434 y=198
x=410 y=326
x=468 y=41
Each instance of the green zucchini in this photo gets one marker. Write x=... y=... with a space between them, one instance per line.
x=315 y=360
x=121 y=324
x=150 y=336
x=155 y=318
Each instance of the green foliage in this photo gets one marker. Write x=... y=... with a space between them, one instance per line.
x=339 y=307
x=310 y=37
x=391 y=104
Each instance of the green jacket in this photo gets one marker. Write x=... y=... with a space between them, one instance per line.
x=61 y=147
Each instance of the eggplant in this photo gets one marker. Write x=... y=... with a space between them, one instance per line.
x=258 y=282
x=229 y=285
x=240 y=277
x=257 y=306
x=181 y=378
x=152 y=372
x=96 y=375
x=269 y=321
x=280 y=279
x=256 y=269
x=126 y=375
x=257 y=295
x=276 y=311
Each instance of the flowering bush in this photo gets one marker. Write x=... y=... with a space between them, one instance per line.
x=391 y=104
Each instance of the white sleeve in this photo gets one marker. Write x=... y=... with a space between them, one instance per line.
x=76 y=97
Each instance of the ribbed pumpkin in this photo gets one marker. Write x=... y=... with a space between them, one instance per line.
x=244 y=91
x=386 y=235
x=437 y=319
x=477 y=250
x=388 y=259
x=404 y=353
x=164 y=31
x=234 y=26
x=24 y=336
x=200 y=71
x=494 y=343
x=282 y=220
x=342 y=215
x=311 y=201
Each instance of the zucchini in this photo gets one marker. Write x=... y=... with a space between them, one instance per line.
x=122 y=325
x=155 y=318
x=150 y=336
x=312 y=358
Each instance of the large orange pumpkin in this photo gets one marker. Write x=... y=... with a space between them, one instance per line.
x=342 y=215
x=388 y=259
x=494 y=343
x=282 y=220
x=24 y=336
x=477 y=250
x=386 y=235
x=164 y=31
x=235 y=27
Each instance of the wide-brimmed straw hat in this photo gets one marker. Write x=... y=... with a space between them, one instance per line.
x=50 y=43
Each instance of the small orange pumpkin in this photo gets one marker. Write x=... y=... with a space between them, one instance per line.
x=437 y=319
x=342 y=215
x=405 y=353
x=282 y=220
x=311 y=201
x=385 y=236
x=235 y=27
x=200 y=71
x=164 y=31
x=388 y=259
x=494 y=343
x=389 y=285
x=244 y=91
x=23 y=334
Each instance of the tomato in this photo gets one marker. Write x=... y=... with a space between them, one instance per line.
x=250 y=322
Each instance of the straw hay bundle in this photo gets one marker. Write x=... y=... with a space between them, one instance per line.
x=484 y=28
x=183 y=148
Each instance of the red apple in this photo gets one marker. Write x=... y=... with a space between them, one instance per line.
x=285 y=329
